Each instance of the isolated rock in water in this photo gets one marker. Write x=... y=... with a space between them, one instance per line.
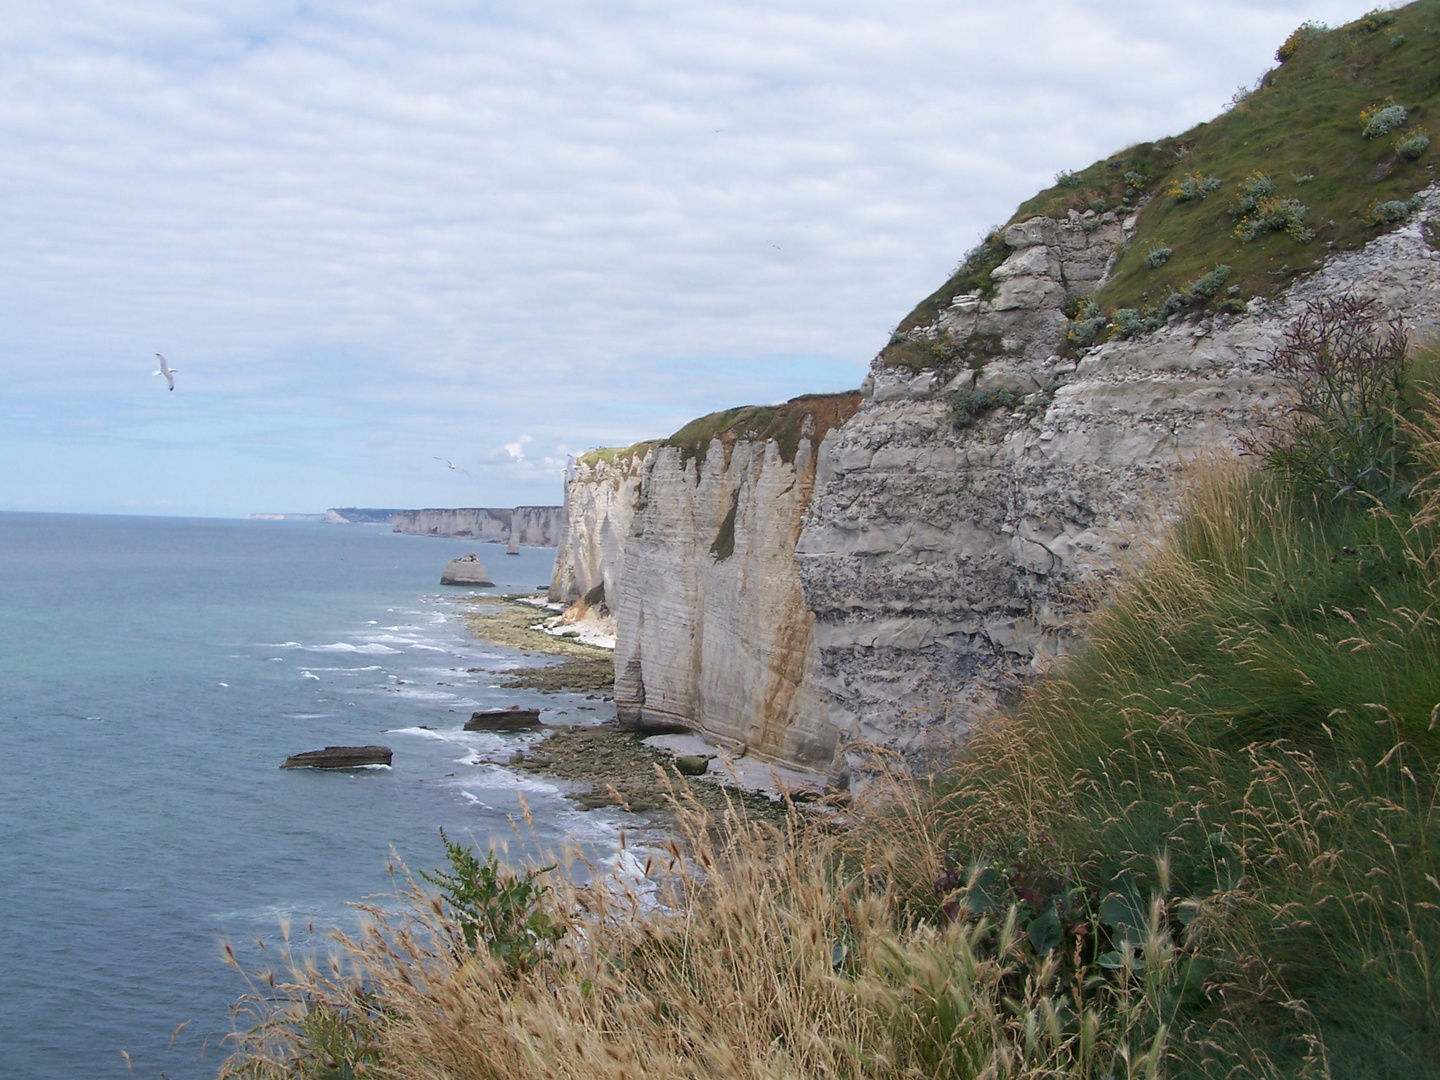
x=339 y=757
x=513 y=548
x=503 y=720
x=466 y=570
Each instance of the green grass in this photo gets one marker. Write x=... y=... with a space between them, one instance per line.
x=783 y=423
x=724 y=544
x=613 y=454
x=1301 y=128
x=1303 y=121
x=1268 y=689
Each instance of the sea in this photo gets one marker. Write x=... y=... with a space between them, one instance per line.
x=154 y=674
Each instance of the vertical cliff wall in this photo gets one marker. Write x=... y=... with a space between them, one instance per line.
x=536 y=526
x=943 y=563
x=713 y=633
x=602 y=489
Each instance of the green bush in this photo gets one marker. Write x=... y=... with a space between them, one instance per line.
x=1345 y=437
x=1158 y=256
x=1375 y=19
x=1393 y=211
x=967 y=404
x=1382 y=118
x=1086 y=322
x=1303 y=33
x=1135 y=181
x=1068 y=179
x=1193 y=186
x=1209 y=283
x=495 y=907
x=1272 y=214
x=1412 y=145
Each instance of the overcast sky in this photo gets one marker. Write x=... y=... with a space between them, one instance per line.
x=370 y=235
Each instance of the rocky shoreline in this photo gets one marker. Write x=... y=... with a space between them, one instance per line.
x=616 y=767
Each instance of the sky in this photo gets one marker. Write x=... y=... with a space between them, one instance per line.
x=375 y=239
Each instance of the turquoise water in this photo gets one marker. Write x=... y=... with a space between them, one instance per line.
x=153 y=675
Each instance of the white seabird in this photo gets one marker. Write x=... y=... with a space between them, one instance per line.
x=166 y=370
x=452 y=465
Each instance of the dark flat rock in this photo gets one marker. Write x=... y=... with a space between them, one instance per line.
x=339 y=757
x=503 y=720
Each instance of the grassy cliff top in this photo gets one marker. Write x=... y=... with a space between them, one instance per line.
x=783 y=423
x=1298 y=142
x=611 y=455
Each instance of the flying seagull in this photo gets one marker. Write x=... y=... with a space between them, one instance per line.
x=451 y=465
x=166 y=370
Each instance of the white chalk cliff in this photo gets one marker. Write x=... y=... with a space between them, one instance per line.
x=897 y=577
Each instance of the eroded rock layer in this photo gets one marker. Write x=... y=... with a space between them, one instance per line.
x=943 y=566
x=713 y=633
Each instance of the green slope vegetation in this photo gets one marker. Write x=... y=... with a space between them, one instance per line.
x=610 y=455
x=783 y=423
x=1295 y=151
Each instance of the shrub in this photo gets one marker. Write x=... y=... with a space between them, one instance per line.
x=1382 y=118
x=968 y=403
x=1346 y=435
x=1068 y=179
x=1135 y=181
x=1375 y=19
x=1209 y=283
x=1412 y=145
x=1272 y=214
x=1158 y=256
x=1307 y=31
x=1397 y=40
x=1086 y=322
x=1253 y=188
x=1193 y=186
x=1393 y=211
x=495 y=907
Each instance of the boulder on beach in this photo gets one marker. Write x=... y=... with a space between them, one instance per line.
x=503 y=720
x=339 y=757
x=466 y=570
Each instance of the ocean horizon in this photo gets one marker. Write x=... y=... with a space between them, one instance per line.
x=156 y=671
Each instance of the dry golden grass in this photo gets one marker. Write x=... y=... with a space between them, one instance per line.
x=762 y=954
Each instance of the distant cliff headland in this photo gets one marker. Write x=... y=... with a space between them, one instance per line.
x=527 y=526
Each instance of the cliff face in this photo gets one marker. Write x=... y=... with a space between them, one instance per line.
x=536 y=526
x=602 y=490
x=943 y=565
x=713 y=633
x=887 y=577
x=475 y=523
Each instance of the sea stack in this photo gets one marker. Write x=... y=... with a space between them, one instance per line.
x=466 y=570
x=513 y=548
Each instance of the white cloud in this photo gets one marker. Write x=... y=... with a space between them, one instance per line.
x=366 y=230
